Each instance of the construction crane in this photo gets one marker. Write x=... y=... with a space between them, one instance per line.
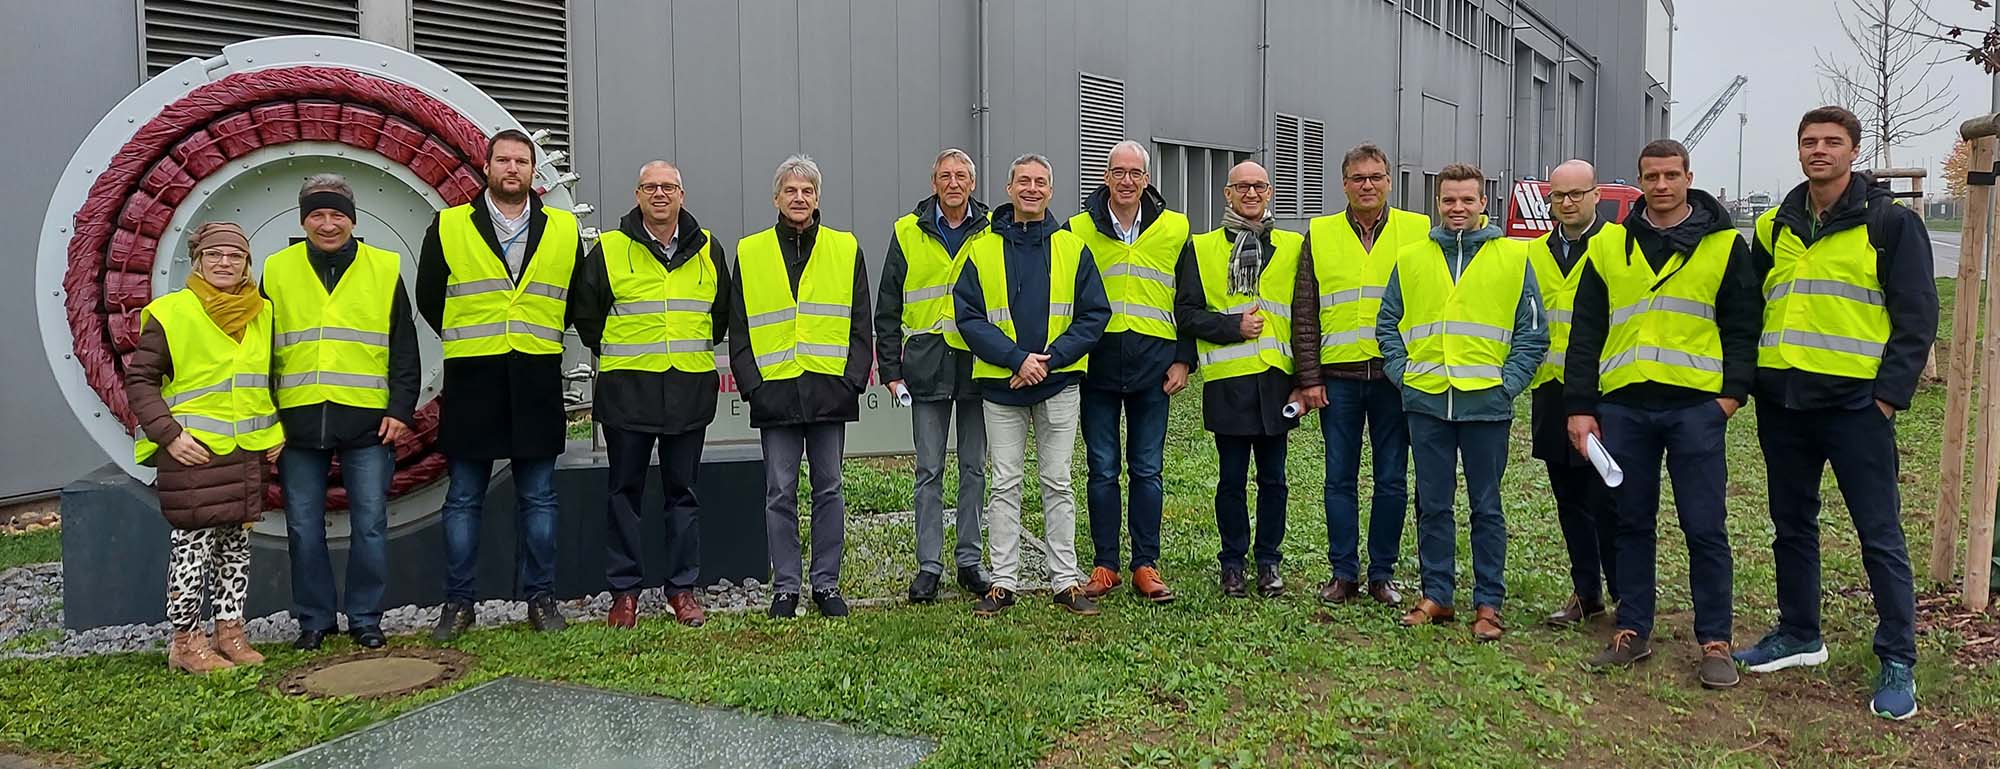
x=1716 y=107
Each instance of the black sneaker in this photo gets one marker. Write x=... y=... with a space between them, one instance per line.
x=973 y=579
x=367 y=636
x=1625 y=650
x=924 y=589
x=784 y=606
x=829 y=603
x=1074 y=601
x=993 y=601
x=543 y=615
x=456 y=618
x=1269 y=583
x=309 y=640
x=1232 y=582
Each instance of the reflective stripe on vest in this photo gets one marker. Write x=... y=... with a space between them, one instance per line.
x=1559 y=292
x=1272 y=349
x=1458 y=332
x=989 y=258
x=1824 y=311
x=660 y=319
x=1138 y=278
x=332 y=347
x=485 y=312
x=793 y=335
x=218 y=391
x=928 y=277
x=1351 y=278
x=1662 y=323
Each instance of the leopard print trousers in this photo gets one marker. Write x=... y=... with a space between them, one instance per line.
x=218 y=556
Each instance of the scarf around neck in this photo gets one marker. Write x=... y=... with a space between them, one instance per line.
x=231 y=310
x=1246 y=263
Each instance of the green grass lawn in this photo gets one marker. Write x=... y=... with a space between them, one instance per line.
x=32 y=547
x=1205 y=681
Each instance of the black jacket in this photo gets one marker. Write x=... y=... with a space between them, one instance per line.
x=1127 y=361
x=810 y=398
x=1026 y=246
x=930 y=368
x=1548 y=420
x=1248 y=406
x=495 y=406
x=665 y=402
x=1739 y=312
x=333 y=426
x=1909 y=289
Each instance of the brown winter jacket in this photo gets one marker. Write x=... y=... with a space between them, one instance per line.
x=227 y=490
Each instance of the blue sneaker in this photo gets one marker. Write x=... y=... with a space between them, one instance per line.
x=1778 y=651
x=1895 y=692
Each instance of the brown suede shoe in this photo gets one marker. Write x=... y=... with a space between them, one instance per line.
x=1102 y=580
x=1147 y=583
x=189 y=652
x=1429 y=612
x=1574 y=611
x=233 y=646
x=1383 y=592
x=1486 y=624
x=687 y=609
x=1339 y=590
x=624 y=610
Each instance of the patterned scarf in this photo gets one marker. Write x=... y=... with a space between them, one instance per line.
x=1246 y=262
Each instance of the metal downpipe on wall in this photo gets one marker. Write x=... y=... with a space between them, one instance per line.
x=983 y=111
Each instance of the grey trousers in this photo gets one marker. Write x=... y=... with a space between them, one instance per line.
x=820 y=445
x=929 y=424
x=1054 y=422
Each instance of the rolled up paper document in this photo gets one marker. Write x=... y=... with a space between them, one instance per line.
x=902 y=393
x=1601 y=459
x=1293 y=409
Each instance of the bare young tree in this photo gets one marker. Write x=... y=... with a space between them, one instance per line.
x=1886 y=76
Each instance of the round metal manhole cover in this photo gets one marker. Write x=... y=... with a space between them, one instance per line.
x=377 y=674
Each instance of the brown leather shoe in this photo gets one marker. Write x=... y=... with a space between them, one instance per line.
x=1147 y=583
x=1102 y=580
x=1486 y=624
x=624 y=610
x=190 y=653
x=1339 y=590
x=233 y=646
x=1429 y=612
x=1574 y=611
x=1384 y=592
x=687 y=609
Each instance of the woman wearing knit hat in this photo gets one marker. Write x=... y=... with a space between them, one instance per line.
x=199 y=384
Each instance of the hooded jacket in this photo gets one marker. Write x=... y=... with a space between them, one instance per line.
x=663 y=402
x=929 y=367
x=1026 y=247
x=1524 y=354
x=810 y=398
x=1128 y=361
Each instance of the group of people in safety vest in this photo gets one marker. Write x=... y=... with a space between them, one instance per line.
x=1637 y=341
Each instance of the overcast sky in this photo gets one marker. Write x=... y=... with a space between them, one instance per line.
x=1772 y=42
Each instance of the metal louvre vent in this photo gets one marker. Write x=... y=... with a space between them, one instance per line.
x=1298 y=166
x=1100 y=124
x=517 y=51
x=1312 y=167
x=176 y=30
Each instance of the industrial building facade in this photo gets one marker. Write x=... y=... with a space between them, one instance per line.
x=873 y=88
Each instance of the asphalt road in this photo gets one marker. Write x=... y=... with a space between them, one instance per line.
x=1944 y=252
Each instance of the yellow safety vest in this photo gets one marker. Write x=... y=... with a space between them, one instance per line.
x=1663 y=323
x=989 y=257
x=1823 y=305
x=332 y=347
x=927 y=307
x=220 y=389
x=485 y=313
x=1458 y=333
x=791 y=335
x=1139 y=278
x=660 y=319
x=1351 y=279
x=1559 y=292
x=1272 y=349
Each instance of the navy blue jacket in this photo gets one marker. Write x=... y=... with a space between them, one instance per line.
x=1026 y=245
x=1128 y=361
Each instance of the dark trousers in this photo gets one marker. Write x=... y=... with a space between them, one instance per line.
x=1232 y=506
x=1861 y=444
x=1691 y=440
x=630 y=455
x=1438 y=446
x=534 y=532
x=818 y=447
x=1589 y=523
x=1145 y=447
x=365 y=473
x=1352 y=404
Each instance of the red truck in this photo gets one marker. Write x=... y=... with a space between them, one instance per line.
x=1528 y=214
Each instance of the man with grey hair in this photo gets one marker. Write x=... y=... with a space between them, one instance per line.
x=799 y=347
x=1138 y=367
x=345 y=357
x=1031 y=307
x=921 y=356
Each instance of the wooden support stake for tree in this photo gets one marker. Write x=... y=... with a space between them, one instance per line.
x=1979 y=540
x=1962 y=371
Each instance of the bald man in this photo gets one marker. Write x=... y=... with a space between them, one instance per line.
x=1234 y=296
x=1583 y=502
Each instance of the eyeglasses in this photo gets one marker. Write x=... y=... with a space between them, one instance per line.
x=1127 y=174
x=1246 y=188
x=1558 y=196
x=222 y=256
x=1367 y=179
x=656 y=188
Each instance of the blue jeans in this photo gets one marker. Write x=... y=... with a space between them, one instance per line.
x=1438 y=446
x=1145 y=415
x=1691 y=440
x=365 y=473
x=535 y=535
x=1350 y=403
